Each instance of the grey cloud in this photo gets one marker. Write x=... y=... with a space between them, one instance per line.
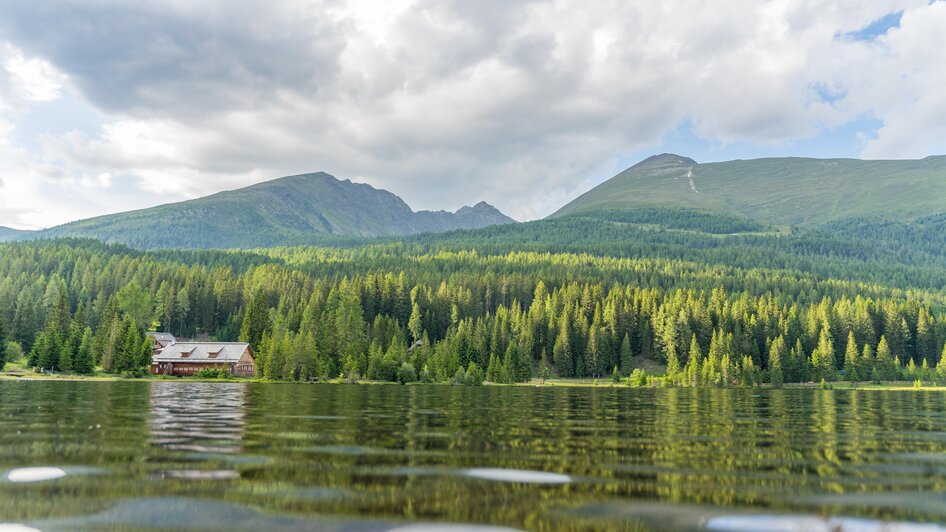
x=150 y=59
x=518 y=102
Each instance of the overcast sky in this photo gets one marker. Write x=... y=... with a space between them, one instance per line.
x=108 y=105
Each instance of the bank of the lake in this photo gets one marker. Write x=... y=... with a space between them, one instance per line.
x=551 y=383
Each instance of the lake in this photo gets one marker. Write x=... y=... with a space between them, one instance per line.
x=239 y=456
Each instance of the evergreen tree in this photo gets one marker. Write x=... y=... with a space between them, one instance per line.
x=852 y=359
x=885 y=365
x=415 y=325
x=941 y=367
x=3 y=344
x=65 y=356
x=84 y=363
x=625 y=358
x=822 y=358
x=255 y=321
x=867 y=362
x=494 y=370
x=776 y=353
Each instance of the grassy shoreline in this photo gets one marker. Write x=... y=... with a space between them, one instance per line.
x=550 y=383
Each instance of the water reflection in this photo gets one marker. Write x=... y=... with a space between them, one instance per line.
x=197 y=416
x=547 y=459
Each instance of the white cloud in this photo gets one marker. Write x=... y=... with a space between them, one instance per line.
x=521 y=103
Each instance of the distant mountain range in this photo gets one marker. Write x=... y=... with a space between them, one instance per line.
x=7 y=234
x=766 y=194
x=782 y=191
x=301 y=209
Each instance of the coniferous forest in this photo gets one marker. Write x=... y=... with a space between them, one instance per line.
x=647 y=297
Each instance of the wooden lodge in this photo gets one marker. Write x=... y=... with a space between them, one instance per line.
x=187 y=358
x=160 y=340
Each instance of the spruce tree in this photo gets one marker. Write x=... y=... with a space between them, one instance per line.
x=3 y=344
x=867 y=362
x=625 y=356
x=415 y=325
x=255 y=321
x=84 y=363
x=885 y=365
x=776 y=353
x=941 y=367
x=851 y=359
x=494 y=369
x=822 y=358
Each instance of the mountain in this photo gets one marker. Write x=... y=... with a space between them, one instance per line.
x=781 y=191
x=7 y=234
x=301 y=209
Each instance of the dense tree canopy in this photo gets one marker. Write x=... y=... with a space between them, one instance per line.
x=485 y=305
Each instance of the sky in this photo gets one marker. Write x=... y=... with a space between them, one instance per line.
x=110 y=105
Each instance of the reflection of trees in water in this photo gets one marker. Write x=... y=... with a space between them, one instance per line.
x=197 y=416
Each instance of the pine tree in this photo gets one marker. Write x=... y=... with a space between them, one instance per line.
x=84 y=363
x=561 y=351
x=851 y=359
x=255 y=321
x=867 y=362
x=776 y=353
x=692 y=372
x=415 y=325
x=3 y=344
x=65 y=356
x=941 y=367
x=822 y=358
x=885 y=364
x=494 y=370
x=625 y=357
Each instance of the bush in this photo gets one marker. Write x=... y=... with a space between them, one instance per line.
x=136 y=373
x=474 y=375
x=406 y=373
x=638 y=378
x=217 y=373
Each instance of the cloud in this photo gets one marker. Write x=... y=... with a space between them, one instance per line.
x=522 y=103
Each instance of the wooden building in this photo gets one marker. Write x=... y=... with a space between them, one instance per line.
x=187 y=358
x=160 y=340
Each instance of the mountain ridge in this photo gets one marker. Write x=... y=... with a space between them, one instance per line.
x=299 y=209
x=785 y=191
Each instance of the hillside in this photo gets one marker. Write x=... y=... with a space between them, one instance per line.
x=302 y=209
x=781 y=191
x=7 y=234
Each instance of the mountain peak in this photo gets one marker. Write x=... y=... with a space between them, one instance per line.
x=486 y=211
x=664 y=160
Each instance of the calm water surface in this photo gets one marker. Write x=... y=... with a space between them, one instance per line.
x=230 y=456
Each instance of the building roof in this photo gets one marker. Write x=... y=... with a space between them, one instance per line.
x=166 y=338
x=202 y=352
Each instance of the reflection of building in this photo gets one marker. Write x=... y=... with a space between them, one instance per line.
x=191 y=357
x=197 y=416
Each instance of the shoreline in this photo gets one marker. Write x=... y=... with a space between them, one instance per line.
x=551 y=383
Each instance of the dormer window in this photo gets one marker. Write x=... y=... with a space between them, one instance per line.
x=213 y=355
x=185 y=354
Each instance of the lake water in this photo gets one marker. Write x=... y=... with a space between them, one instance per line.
x=231 y=456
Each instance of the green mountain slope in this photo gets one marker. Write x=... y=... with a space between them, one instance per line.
x=302 y=209
x=782 y=191
x=9 y=235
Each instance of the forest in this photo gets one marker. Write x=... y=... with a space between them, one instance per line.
x=596 y=297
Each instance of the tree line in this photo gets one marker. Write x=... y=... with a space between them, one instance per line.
x=390 y=312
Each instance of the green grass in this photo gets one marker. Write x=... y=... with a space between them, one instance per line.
x=780 y=191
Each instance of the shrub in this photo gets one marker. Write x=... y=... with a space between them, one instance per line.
x=638 y=378
x=474 y=375
x=406 y=373
x=216 y=373
x=136 y=373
